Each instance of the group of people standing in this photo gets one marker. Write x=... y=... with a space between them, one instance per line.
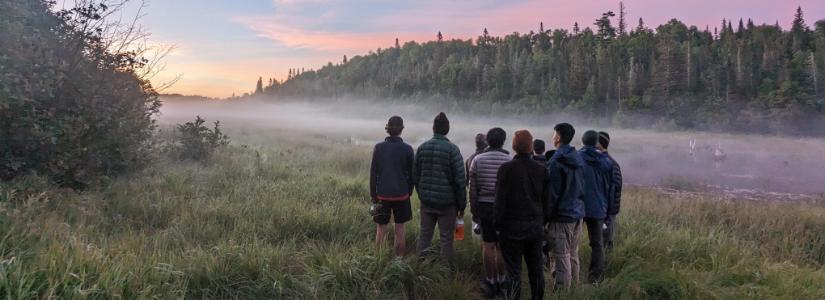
x=530 y=206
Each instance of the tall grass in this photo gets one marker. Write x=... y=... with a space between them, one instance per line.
x=289 y=220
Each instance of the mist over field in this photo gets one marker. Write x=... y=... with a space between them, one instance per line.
x=756 y=166
x=119 y=179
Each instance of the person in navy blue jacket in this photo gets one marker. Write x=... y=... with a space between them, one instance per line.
x=391 y=184
x=597 y=176
x=566 y=208
x=614 y=199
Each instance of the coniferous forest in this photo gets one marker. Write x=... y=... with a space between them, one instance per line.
x=738 y=76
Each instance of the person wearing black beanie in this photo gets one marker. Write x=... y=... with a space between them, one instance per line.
x=441 y=125
x=440 y=180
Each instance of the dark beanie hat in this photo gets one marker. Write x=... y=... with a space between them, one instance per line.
x=604 y=139
x=481 y=142
x=523 y=142
x=590 y=138
x=441 y=125
x=538 y=146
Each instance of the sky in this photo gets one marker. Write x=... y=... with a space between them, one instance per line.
x=222 y=47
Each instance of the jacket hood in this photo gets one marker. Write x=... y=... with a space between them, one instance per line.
x=593 y=157
x=568 y=156
x=394 y=139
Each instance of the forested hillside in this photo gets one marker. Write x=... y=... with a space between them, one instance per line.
x=739 y=76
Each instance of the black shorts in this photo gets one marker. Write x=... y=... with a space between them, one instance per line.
x=401 y=211
x=486 y=214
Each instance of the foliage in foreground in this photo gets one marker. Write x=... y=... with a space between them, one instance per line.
x=71 y=109
x=291 y=222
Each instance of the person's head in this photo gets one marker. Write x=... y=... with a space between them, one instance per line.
x=538 y=146
x=394 y=126
x=441 y=125
x=549 y=154
x=563 y=134
x=523 y=142
x=481 y=142
x=496 y=137
x=590 y=138
x=604 y=141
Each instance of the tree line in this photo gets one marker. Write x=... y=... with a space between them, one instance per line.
x=738 y=76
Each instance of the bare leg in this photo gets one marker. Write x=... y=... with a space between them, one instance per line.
x=400 y=240
x=380 y=235
x=488 y=251
x=501 y=266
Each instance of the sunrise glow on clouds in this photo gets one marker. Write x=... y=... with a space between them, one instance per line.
x=223 y=46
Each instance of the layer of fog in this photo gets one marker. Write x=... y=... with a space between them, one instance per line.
x=777 y=166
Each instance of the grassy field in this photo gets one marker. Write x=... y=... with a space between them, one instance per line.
x=287 y=218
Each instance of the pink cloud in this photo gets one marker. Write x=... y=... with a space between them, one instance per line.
x=326 y=41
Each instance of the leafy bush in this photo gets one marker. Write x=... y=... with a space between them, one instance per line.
x=71 y=109
x=198 y=142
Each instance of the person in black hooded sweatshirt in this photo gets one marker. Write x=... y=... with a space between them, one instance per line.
x=521 y=209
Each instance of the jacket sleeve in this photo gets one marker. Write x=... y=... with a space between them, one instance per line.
x=556 y=188
x=545 y=197
x=473 y=171
x=374 y=167
x=460 y=181
x=501 y=197
x=416 y=176
x=617 y=186
x=410 y=163
x=467 y=168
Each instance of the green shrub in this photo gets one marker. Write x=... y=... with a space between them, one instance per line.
x=70 y=109
x=198 y=142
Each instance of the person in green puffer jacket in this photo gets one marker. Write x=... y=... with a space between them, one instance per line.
x=440 y=181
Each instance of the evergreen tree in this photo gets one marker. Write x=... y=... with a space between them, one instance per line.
x=259 y=87
x=605 y=29
x=681 y=73
x=622 y=22
x=799 y=30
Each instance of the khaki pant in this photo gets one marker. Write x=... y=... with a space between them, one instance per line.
x=564 y=239
x=445 y=219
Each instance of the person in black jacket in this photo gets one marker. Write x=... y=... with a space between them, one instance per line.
x=521 y=209
x=596 y=190
x=391 y=184
x=538 y=151
x=614 y=200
